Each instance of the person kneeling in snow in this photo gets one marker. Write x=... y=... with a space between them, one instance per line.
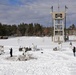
x=74 y=50
x=70 y=44
x=25 y=53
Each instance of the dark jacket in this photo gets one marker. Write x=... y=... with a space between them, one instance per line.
x=73 y=49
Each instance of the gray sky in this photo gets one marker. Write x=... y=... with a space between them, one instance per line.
x=35 y=11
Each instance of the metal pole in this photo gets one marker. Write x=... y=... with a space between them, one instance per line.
x=58 y=6
x=65 y=21
x=65 y=24
x=52 y=22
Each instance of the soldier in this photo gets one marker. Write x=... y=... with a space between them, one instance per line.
x=74 y=50
x=11 y=52
x=71 y=45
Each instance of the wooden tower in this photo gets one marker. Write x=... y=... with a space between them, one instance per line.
x=58 y=24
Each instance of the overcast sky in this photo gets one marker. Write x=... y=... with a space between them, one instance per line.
x=35 y=11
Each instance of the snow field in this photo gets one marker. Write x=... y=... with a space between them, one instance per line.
x=61 y=62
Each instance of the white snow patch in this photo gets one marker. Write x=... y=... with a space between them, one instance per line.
x=42 y=62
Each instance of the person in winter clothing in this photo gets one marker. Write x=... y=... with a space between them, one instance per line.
x=11 y=52
x=70 y=43
x=74 y=51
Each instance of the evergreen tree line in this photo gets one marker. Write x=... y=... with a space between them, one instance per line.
x=23 y=29
x=27 y=29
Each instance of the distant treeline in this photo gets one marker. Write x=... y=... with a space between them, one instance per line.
x=24 y=29
x=27 y=29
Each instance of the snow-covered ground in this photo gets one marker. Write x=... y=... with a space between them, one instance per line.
x=46 y=61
